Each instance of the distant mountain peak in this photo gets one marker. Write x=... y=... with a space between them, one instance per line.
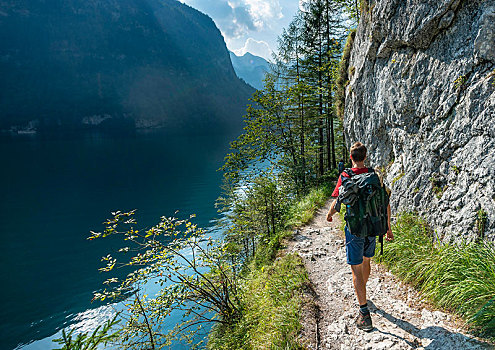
x=250 y=68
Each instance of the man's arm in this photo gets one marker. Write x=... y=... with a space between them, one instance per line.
x=390 y=234
x=332 y=211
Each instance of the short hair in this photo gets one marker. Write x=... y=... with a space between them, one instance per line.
x=358 y=152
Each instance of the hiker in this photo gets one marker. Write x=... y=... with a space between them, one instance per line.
x=359 y=250
x=341 y=166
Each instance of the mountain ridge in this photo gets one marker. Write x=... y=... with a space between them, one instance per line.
x=250 y=68
x=146 y=64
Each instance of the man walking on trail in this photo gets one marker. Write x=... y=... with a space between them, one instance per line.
x=359 y=250
x=341 y=166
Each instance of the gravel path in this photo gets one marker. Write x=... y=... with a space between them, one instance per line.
x=401 y=319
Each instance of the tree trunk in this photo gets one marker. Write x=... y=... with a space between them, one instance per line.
x=320 y=107
x=331 y=157
x=329 y=143
x=332 y=132
x=302 y=121
x=272 y=212
x=267 y=217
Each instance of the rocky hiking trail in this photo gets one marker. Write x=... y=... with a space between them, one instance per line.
x=401 y=319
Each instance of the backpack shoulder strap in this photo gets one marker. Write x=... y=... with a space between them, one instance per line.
x=349 y=172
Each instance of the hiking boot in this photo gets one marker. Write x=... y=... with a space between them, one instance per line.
x=363 y=322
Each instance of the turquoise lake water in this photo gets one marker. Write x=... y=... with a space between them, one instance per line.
x=55 y=189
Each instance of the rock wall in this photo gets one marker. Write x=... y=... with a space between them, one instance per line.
x=421 y=96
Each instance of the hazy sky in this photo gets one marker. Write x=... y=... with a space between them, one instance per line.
x=249 y=25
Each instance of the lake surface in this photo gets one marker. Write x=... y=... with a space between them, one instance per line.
x=54 y=190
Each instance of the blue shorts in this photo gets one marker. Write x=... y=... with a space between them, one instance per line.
x=357 y=247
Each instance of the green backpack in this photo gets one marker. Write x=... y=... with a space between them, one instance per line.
x=366 y=199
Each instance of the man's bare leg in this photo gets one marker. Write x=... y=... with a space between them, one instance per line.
x=366 y=269
x=360 y=275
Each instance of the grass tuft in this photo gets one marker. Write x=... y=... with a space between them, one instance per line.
x=272 y=298
x=303 y=210
x=459 y=278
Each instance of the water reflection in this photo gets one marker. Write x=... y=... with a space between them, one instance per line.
x=55 y=190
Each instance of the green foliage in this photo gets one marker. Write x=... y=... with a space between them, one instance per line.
x=352 y=70
x=456 y=169
x=271 y=288
x=397 y=178
x=459 y=82
x=481 y=217
x=459 y=278
x=267 y=251
x=302 y=211
x=342 y=77
x=193 y=270
x=364 y=6
x=438 y=185
x=291 y=124
x=252 y=214
x=342 y=217
x=271 y=135
x=271 y=296
x=102 y=335
x=208 y=281
x=290 y=144
x=353 y=8
x=439 y=191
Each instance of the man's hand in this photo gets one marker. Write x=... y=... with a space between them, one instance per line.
x=331 y=211
x=390 y=235
x=329 y=217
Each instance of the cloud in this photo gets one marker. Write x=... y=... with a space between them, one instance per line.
x=239 y=20
x=258 y=48
x=233 y=17
x=236 y=18
x=263 y=12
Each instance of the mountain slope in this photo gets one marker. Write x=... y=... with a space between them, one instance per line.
x=152 y=63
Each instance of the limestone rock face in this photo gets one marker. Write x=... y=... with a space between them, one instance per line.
x=421 y=96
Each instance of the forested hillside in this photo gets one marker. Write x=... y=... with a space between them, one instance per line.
x=75 y=64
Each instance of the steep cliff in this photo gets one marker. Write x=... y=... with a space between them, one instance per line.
x=421 y=95
x=81 y=63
